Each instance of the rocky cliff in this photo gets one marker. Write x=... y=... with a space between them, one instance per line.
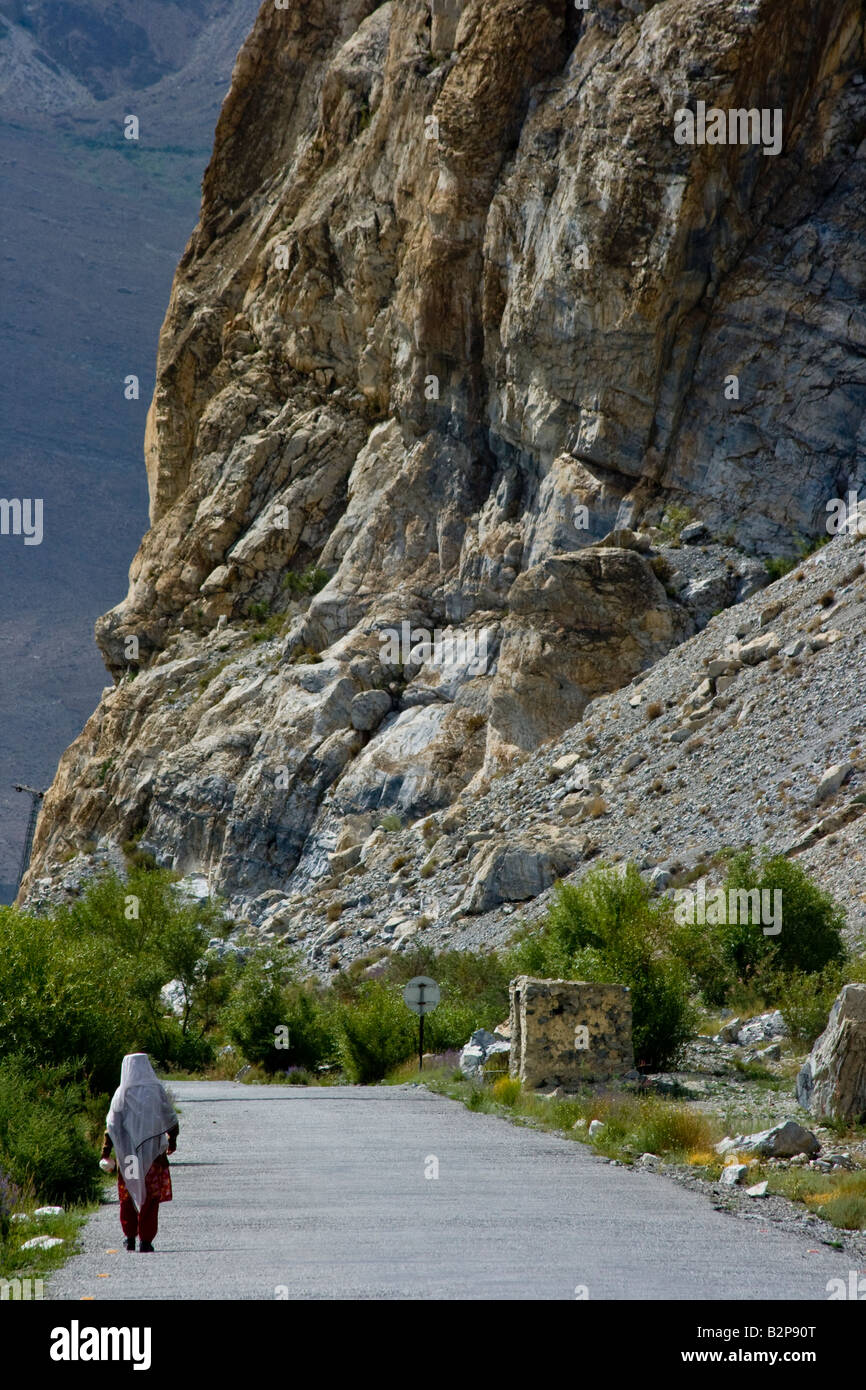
x=467 y=330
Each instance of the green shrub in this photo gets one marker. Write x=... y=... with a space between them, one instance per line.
x=779 y=565
x=256 y=1011
x=309 y=582
x=806 y=1000
x=375 y=1032
x=42 y=1139
x=609 y=928
x=811 y=922
x=702 y=951
x=85 y=982
x=673 y=521
x=312 y=1039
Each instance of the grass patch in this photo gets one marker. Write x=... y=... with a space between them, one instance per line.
x=839 y=1198
x=633 y=1124
x=18 y=1263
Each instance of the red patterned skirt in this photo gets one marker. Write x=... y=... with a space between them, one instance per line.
x=157 y=1184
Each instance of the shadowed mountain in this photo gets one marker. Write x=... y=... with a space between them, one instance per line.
x=92 y=228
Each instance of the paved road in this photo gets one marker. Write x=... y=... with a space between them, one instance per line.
x=295 y=1192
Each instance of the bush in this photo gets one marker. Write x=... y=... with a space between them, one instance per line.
x=806 y=1000
x=702 y=951
x=85 y=982
x=42 y=1139
x=305 y=584
x=256 y=1011
x=673 y=1129
x=811 y=922
x=673 y=521
x=375 y=1031
x=312 y=1040
x=609 y=928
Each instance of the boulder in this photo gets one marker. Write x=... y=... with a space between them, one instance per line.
x=722 y=666
x=173 y=997
x=763 y=1028
x=345 y=859
x=730 y=1031
x=782 y=1141
x=733 y=1174
x=564 y=764
x=759 y=649
x=660 y=879
x=514 y=873
x=368 y=709
x=832 y=1080
x=832 y=781
x=479 y=1048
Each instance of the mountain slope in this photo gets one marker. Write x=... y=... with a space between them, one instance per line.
x=458 y=310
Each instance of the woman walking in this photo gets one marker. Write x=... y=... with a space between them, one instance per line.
x=142 y=1128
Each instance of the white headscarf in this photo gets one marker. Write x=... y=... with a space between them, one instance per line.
x=138 y=1119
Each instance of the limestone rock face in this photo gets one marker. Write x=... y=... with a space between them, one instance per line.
x=459 y=321
x=832 y=1080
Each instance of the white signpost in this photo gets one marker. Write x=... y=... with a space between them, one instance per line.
x=421 y=995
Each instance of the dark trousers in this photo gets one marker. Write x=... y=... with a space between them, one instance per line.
x=139 y=1223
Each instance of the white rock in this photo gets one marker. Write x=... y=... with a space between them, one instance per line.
x=595 y=1128
x=832 y=781
x=480 y=1046
x=759 y=1190
x=48 y=1211
x=42 y=1243
x=368 y=709
x=832 y=1080
x=730 y=1031
x=733 y=1174
x=782 y=1141
x=759 y=649
x=564 y=764
x=763 y=1028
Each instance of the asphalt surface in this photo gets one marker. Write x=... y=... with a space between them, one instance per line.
x=321 y=1193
